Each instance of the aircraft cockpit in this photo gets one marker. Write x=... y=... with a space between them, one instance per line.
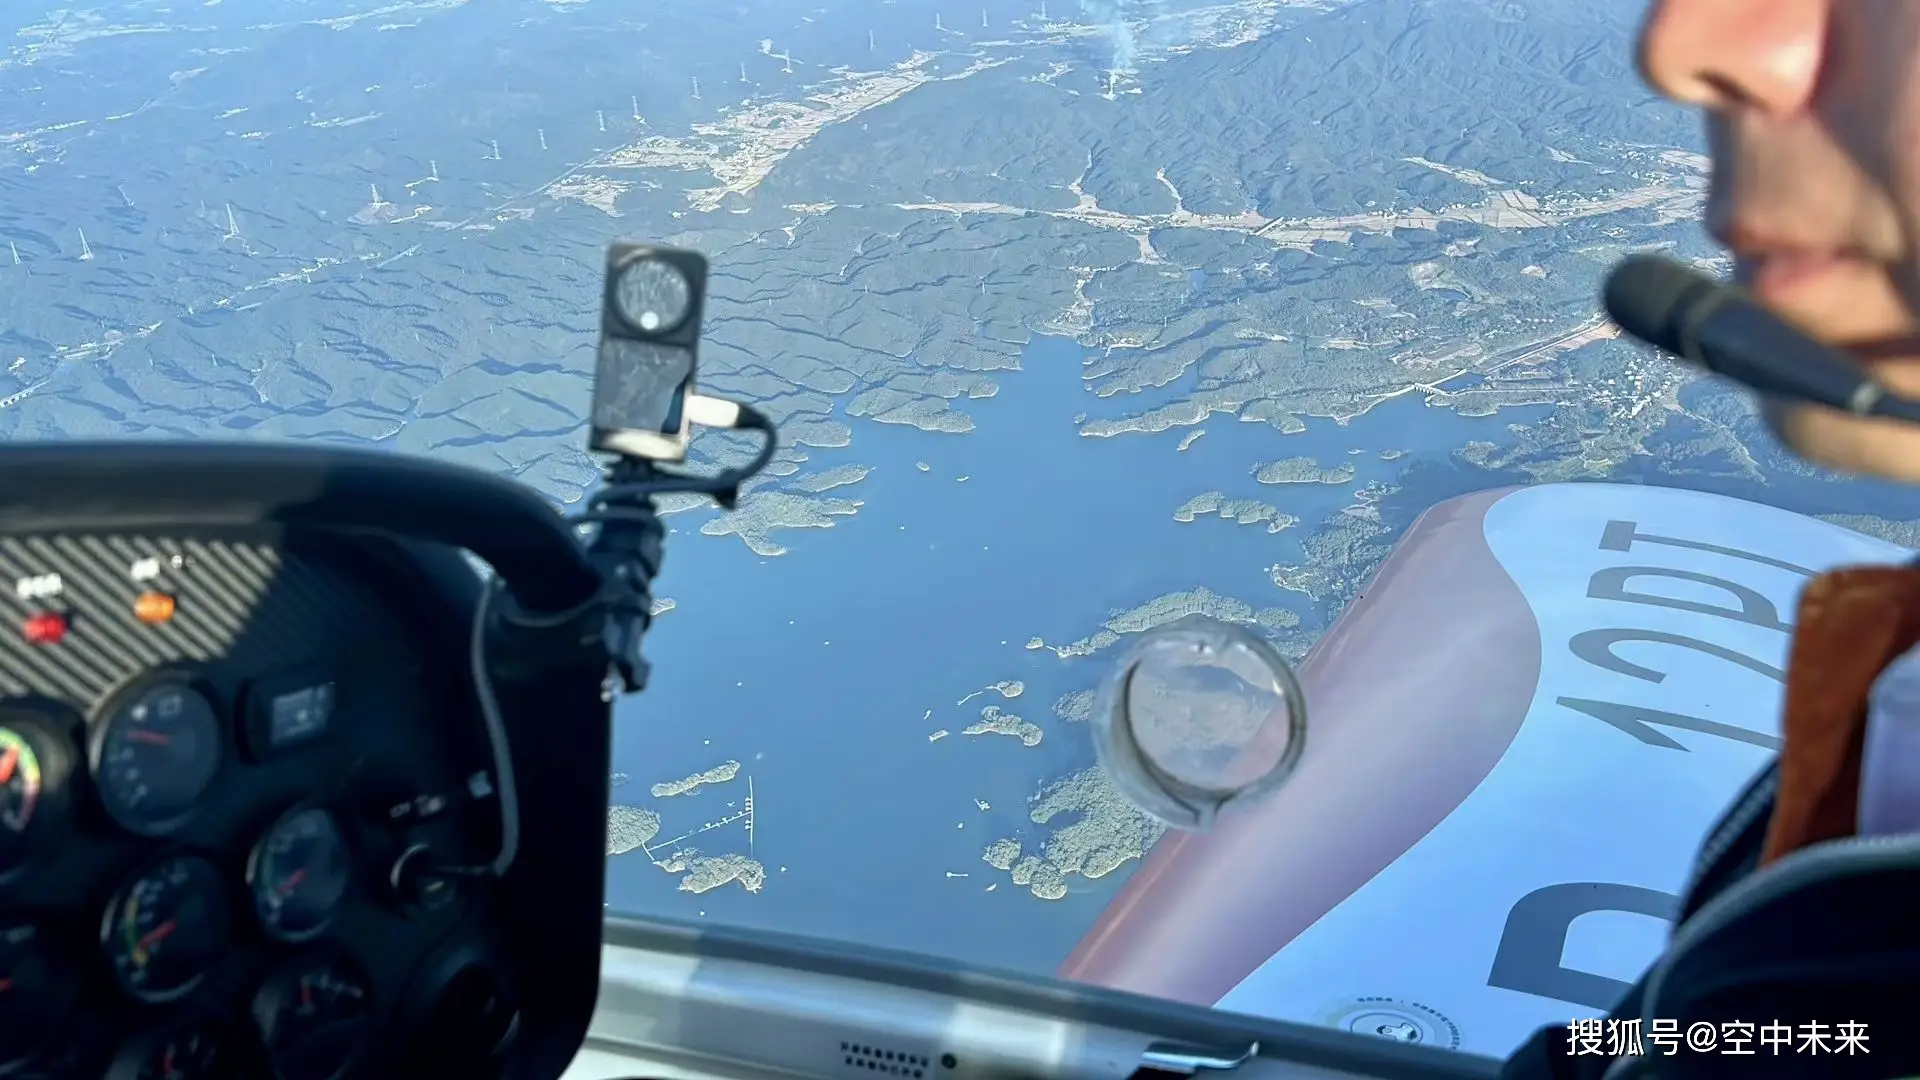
x=239 y=775
x=302 y=751
x=254 y=816
x=302 y=776
x=304 y=759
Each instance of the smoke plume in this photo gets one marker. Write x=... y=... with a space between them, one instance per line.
x=1113 y=17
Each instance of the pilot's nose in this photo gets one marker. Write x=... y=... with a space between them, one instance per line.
x=1729 y=54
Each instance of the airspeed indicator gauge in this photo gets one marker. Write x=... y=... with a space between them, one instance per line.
x=20 y=786
x=32 y=766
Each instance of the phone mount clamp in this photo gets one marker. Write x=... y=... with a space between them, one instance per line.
x=643 y=414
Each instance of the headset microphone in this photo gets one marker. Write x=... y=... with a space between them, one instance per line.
x=1723 y=329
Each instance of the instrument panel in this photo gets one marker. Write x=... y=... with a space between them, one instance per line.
x=240 y=774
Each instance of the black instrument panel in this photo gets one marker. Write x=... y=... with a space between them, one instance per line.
x=238 y=772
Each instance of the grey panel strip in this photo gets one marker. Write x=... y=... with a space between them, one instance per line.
x=703 y=990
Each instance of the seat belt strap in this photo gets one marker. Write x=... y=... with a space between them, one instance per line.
x=1852 y=624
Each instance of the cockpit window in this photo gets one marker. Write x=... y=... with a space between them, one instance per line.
x=1078 y=319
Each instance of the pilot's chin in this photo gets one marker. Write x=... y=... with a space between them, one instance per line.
x=1889 y=449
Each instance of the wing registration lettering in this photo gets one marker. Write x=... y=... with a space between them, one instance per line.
x=1596 y=648
x=1622 y=535
x=1610 y=583
x=1534 y=941
x=1748 y=607
x=1641 y=722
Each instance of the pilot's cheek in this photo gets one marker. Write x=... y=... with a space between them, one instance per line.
x=1869 y=97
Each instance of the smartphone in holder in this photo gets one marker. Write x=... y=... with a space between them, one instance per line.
x=649 y=352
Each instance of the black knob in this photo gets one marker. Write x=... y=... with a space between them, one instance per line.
x=469 y=1029
x=419 y=883
x=475 y=1011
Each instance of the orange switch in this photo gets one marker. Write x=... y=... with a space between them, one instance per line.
x=153 y=608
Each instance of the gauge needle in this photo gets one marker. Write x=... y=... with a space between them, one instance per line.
x=151 y=738
x=293 y=881
x=9 y=762
x=156 y=935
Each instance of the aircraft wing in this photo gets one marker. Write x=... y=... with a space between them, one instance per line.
x=1519 y=734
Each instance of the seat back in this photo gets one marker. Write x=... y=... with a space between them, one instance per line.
x=1810 y=967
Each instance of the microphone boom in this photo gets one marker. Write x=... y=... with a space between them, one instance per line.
x=1687 y=314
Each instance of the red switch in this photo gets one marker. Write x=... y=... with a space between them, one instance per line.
x=44 y=628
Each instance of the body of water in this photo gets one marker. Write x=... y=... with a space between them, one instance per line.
x=815 y=669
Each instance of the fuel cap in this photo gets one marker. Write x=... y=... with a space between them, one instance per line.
x=1198 y=714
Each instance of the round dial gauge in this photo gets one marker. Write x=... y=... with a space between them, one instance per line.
x=315 y=1019
x=188 y=1053
x=23 y=783
x=164 y=931
x=156 y=753
x=36 y=990
x=298 y=874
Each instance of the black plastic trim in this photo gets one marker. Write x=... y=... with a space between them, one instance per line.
x=128 y=485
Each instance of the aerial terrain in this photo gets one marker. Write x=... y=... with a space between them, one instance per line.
x=1075 y=319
